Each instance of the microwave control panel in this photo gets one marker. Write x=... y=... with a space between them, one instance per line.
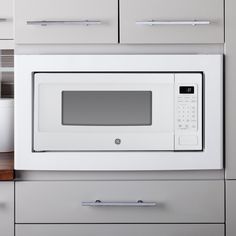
x=187 y=108
x=188 y=111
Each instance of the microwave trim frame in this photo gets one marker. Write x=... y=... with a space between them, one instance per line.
x=208 y=159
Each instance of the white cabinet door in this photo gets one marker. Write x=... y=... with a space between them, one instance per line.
x=66 y=21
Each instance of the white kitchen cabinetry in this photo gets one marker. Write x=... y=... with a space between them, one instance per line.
x=66 y=21
x=120 y=230
x=6 y=24
x=7 y=208
x=171 y=21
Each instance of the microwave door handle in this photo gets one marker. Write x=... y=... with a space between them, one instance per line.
x=139 y=203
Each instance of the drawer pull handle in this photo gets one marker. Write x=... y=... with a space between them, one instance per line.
x=157 y=22
x=75 y=22
x=139 y=203
x=3 y=19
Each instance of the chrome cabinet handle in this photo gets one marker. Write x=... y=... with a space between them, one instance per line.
x=139 y=203
x=3 y=19
x=58 y=22
x=159 y=22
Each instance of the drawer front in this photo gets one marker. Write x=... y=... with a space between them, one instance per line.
x=7 y=208
x=176 y=201
x=173 y=21
x=120 y=230
x=6 y=19
x=66 y=21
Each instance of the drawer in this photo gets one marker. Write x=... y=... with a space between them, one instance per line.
x=120 y=202
x=66 y=21
x=120 y=230
x=7 y=208
x=171 y=21
x=6 y=19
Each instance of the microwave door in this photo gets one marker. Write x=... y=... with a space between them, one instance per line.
x=103 y=112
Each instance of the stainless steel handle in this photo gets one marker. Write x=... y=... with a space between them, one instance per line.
x=68 y=22
x=139 y=203
x=159 y=22
x=3 y=19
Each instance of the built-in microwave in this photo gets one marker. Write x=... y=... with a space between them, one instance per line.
x=119 y=112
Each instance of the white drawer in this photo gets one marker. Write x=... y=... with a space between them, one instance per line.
x=6 y=19
x=7 y=208
x=66 y=21
x=176 y=202
x=173 y=21
x=120 y=230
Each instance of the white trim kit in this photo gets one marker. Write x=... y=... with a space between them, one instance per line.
x=210 y=158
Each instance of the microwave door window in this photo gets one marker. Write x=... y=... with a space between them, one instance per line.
x=107 y=108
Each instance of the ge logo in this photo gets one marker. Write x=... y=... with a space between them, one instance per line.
x=117 y=141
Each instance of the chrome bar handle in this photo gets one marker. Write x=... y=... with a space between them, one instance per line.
x=67 y=22
x=3 y=19
x=159 y=22
x=139 y=203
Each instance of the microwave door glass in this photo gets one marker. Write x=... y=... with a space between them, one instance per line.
x=107 y=108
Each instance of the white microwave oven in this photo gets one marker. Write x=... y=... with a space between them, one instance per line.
x=119 y=112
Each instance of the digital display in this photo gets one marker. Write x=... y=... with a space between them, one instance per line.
x=186 y=89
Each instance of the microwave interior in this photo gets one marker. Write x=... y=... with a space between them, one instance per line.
x=86 y=112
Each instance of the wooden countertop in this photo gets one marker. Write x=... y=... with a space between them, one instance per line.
x=6 y=166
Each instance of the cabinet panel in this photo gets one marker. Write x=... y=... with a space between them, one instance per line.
x=176 y=202
x=120 y=230
x=7 y=208
x=171 y=21
x=6 y=19
x=66 y=21
x=231 y=207
x=230 y=87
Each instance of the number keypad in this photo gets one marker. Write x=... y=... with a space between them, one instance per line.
x=187 y=112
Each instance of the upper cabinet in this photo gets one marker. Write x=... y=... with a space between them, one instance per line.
x=171 y=21
x=6 y=24
x=66 y=21
x=129 y=22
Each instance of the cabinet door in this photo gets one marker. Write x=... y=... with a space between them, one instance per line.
x=121 y=202
x=6 y=19
x=171 y=21
x=66 y=21
x=230 y=88
x=120 y=230
x=6 y=208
